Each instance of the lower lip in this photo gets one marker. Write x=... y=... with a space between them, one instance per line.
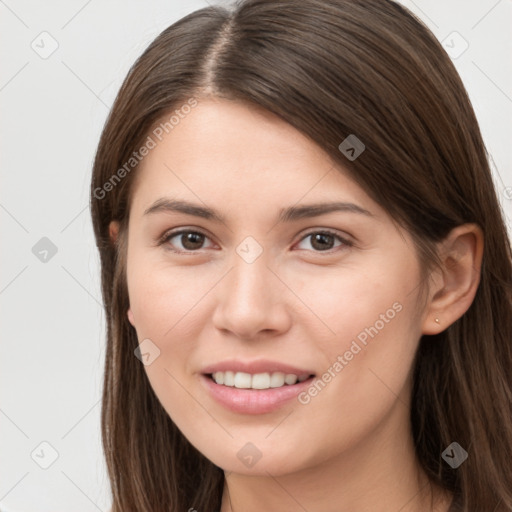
x=253 y=401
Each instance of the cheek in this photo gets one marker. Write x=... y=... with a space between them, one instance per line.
x=165 y=303
x=349 y=301
x=366 y=379
x=369 y=334
x=164 y=298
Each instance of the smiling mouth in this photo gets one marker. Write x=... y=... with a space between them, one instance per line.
x=257 y=381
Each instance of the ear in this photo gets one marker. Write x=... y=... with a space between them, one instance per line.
x=113 y=231
x=454 y=285
x=130 y=317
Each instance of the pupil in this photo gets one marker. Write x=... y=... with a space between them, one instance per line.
x=192 y=240
x=323 y=238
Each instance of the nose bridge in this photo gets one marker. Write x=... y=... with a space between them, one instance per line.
x=247 y=300
x=249 y=281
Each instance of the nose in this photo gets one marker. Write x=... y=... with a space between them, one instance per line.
x=251 y=301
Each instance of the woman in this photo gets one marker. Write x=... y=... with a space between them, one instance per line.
x=305 y=269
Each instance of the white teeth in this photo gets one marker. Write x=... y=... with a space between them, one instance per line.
x=260 y=381
x=229 y=378
x=244 y=380
x=290 y=379
x=277 y=380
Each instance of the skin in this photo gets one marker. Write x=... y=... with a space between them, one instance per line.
x=350 y=448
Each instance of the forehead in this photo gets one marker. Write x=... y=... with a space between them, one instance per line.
x=225 y=150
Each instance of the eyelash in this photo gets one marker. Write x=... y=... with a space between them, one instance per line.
x=171 y=234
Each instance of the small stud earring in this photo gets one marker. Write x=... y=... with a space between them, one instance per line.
x=437 y=320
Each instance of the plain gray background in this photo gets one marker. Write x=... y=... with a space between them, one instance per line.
x=53 y=109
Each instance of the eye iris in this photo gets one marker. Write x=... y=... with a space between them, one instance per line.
x=321 y=241
x=192 y=241
x=326 y=241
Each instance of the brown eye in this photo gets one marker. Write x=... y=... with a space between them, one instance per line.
x=324 y=241
x=191 y=241
x=185 y=240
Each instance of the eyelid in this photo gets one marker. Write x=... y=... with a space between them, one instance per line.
x=346 y=240
x=171 y=233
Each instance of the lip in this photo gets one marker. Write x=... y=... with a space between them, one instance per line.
x=252 y=401
x=252 y=367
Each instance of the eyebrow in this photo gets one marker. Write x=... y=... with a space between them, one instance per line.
x=288 y=214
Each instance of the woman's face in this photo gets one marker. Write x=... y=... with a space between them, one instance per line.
x=264 y=289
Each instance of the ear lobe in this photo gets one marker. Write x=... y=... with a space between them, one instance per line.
x=113 y=231
x=457 y=280
x=130 y=317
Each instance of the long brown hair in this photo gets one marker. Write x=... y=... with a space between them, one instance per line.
x=330 y=68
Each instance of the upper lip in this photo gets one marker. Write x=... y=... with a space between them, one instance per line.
x=253 y=367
